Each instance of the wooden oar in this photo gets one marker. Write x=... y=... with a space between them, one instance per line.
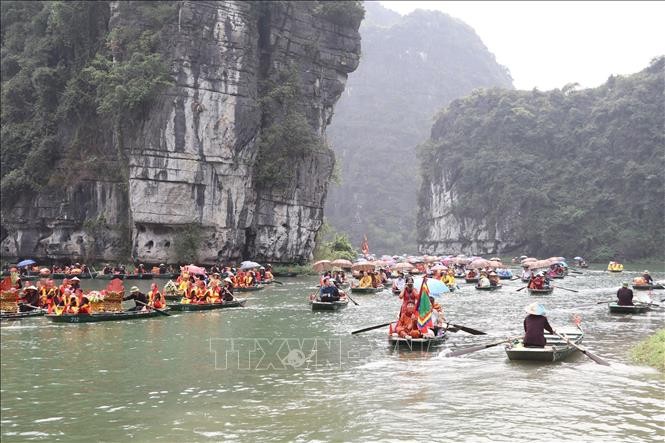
x=467 y=329
x=277 y=282
x=372 y=327
x=349 y=297
x=605 y=301
x=152 y=307
x=593 y=357
x=565 y=289
x=471 y=349
x=518 y=290
x=31 y=306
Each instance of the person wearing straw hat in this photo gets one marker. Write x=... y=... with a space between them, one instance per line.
x=625 y=295
x=30 y=297
x=138 y=296
x=227 y=290
x=535 y=325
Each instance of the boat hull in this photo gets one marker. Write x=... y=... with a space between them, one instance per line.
x=615 y=308
x=416 y=344
x=471 y=280
x=21 y=315
x=248 y=289
x=190 y=307
x=556 y=349
x=102 y=316
x=365 y=290
x=328 y=306
x=489 y=288
x=537 y=292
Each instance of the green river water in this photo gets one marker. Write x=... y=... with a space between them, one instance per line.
x=300 y=376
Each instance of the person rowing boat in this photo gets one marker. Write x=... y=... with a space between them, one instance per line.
x=625 y=295
x=535 y=324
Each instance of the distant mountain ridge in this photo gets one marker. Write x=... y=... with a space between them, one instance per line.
x=410 y=68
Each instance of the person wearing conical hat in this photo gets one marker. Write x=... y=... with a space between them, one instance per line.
x=140 y=299
x=30 y=297
x=625 y=295
x=535 y=325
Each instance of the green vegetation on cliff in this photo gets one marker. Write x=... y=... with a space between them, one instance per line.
x=577 y=172
x=61 y=68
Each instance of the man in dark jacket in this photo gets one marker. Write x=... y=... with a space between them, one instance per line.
x=137 y=296
x=535 y=325
x=625 y=295
x=329 y=292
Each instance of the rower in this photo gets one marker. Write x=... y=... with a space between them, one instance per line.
x=136 y=295
x=328 y=292
x=493 y=278
x=31 y=297
x=647 y=278
x=227 y=290
x=625 y=295
x=535 y=325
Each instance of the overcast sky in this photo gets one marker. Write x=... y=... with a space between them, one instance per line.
x=549 y=44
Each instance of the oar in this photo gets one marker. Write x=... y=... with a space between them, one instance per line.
x=152 y=307
x=349 y=297
x=278 y=282
x=605 y=301
x=467 y=329
x=518 y=290
x=372 y=327
x=593 y=357
x=471 y=349
x=31 y=306
x=565 y=289
x=90 y=273
x=576 y=272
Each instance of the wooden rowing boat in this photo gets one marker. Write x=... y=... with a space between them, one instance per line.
x=488 y=288
x=615 y=270
x=329 y=306
x=639 y=308
x=357 y=290
x=643 y=287
x=285 y=274
x=471 y=280
x=416 y=344
x=556 y=348
x=207 y=306
x=248 y=288
x=168 y=275
x=658 y=286
x=110 y=276
x=544 y=291
x=4 y=315
x=144 y=276
x=102 y=316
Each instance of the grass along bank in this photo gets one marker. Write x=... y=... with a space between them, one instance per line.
x=651 y=351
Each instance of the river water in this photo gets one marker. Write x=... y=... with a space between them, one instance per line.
x=299 y=375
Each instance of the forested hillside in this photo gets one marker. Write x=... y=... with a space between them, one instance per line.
x=410 y=68
x=564 y=172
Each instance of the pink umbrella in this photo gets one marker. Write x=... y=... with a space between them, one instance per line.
x=478 y=263
x=195 y=270
x=403 y=266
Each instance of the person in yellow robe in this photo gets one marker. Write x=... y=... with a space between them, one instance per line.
x=365 y=281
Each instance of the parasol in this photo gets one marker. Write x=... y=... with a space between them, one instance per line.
x=344 y=264
x=24 y=263
x=403 y=266
x=247 y=265
x=367 y=266
x=322 y=265
x=436 y=287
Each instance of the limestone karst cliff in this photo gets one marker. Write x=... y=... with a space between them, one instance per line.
x=208 y=158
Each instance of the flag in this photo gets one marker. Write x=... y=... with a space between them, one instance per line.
x=424 y=308
x=365 y=246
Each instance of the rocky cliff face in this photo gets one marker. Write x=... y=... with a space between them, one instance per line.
x=191 y=160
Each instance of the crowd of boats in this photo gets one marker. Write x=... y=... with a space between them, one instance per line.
x=417 y=281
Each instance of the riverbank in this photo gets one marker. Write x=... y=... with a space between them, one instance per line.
x=651 y=351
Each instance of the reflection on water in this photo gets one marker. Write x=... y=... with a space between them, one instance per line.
x=286 y=373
